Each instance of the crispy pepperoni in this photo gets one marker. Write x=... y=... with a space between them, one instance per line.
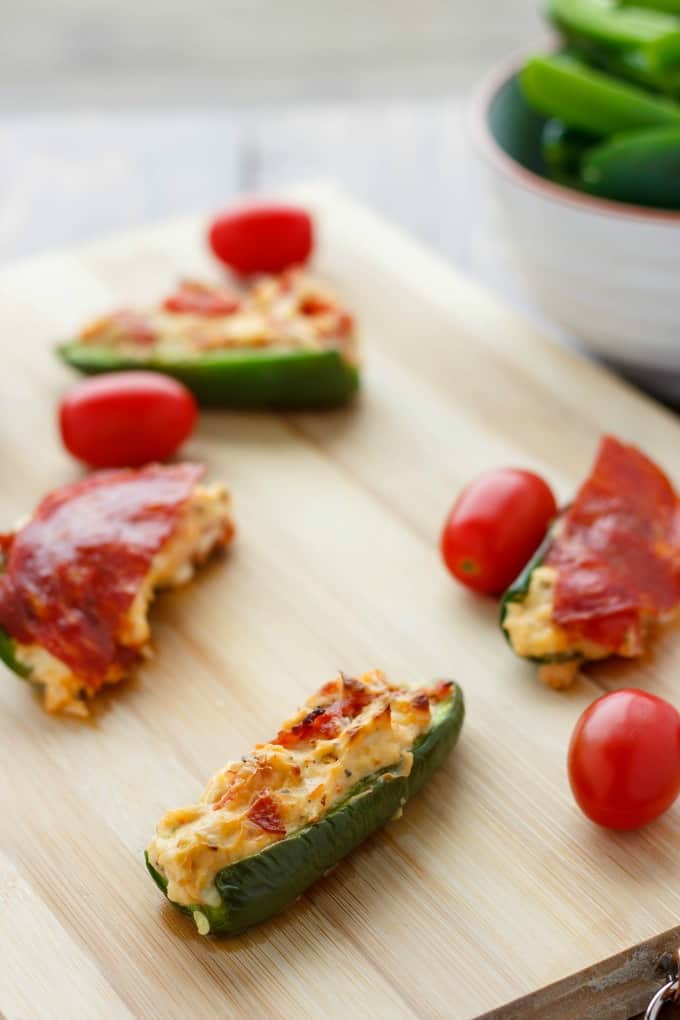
x=355 y=696
x=135 y=325
x=71 y=573
x=265 y=813
x=326 y=721
x=618 y=554
x=315 y=305
x=319 y=724
x=345 y=324
x=441 y=690
x=200 y=299
x=331 y=687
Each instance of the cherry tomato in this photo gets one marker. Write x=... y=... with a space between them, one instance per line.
x=262 y=238
x=624 y=759
x=124 y=419
x=495 y=527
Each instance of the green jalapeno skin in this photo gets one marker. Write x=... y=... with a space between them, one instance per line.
x=518 y=591
x=8 y=647
x=8 y=656
x=285 y=380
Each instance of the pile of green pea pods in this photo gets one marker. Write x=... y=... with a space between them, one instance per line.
x=611 y=97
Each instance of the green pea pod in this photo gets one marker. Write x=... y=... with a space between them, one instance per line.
x=641 y=167
x=670 y=6
x=565 y=88
x=628 y=66
x=652 y=36
x=563 y=149
x=639 y=45
x=263 y=884
x=237 y=378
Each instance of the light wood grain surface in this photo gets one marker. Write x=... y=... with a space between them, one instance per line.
x=492 y=884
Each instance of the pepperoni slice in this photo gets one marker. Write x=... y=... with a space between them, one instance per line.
x=315 y=305
x=618 y=554
x=199 y=299
x=134 y=325
x=265 y=813
x=322 y=723
x=72 y=573
x=326 y=721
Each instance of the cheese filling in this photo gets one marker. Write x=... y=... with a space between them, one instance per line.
x=534 y=634
x=290 y=782
x=291 y=311
x=205 y=525
x=532 y=630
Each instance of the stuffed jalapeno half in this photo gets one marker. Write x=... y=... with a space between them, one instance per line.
x=608 y=571
x=77 y=579
x=269 y=825
x=283 y=342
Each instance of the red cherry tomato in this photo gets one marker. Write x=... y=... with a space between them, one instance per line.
x=262 y=238
x=124 y=419
x=495 y=527
x=624 y=759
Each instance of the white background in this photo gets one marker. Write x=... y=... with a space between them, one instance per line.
x=118 y=114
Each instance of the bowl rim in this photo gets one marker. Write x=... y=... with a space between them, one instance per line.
x=484 y=94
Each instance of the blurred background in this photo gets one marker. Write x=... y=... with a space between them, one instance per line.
x=117 y=114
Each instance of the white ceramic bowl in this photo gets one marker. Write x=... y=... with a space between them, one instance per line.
x=608 y=272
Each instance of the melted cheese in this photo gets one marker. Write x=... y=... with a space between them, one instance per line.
x=273 y=312
x=532 y=630
x=303 y=782
x=205 y=525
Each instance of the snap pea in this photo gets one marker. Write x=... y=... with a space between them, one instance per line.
x=629 y=66
x=563 y=149
x=641 y=45
x=671 y=6
x=563 y=87
x=641 y=167
x=653 y=34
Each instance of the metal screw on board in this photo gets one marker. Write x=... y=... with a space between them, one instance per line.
x=670 y=992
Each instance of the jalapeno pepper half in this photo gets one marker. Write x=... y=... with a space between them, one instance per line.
x=263 y=883
x=285 y=343
x=236 y=378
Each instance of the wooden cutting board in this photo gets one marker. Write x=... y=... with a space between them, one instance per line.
x=492 y=885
